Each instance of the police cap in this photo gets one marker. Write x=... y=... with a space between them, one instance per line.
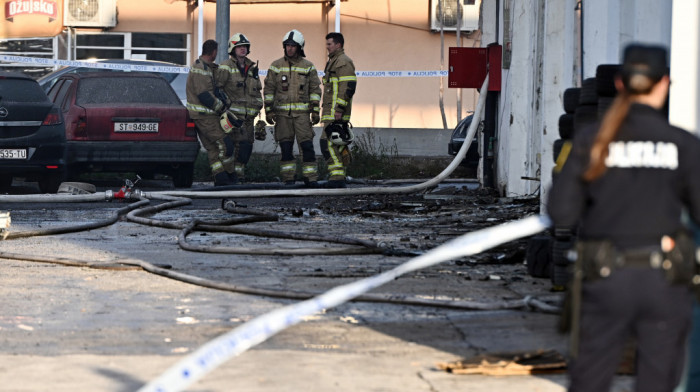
x=648 y=60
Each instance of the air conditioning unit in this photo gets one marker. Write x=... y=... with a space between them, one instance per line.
x=90 y=13
x=447 y=13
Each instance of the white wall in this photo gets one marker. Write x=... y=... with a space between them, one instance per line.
x=560 y=71
x=516 y=112
x=685 y=62
x=609 y=25
x=544 y=63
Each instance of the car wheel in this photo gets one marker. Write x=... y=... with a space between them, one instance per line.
x=50 y=183
x=183 y=176
x=538 y=256
x=5 y=181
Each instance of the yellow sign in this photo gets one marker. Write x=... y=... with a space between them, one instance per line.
x=31 y=18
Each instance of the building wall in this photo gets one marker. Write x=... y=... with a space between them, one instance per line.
x=391 y=35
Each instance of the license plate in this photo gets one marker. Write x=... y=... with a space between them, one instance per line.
x=13 y=153
x=148 y=127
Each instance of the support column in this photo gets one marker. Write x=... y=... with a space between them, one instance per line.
x=685 y=60
x=223 y=27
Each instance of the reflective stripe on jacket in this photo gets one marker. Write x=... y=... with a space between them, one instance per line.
x=201 y=80
x=292 y=87
x=337 y=87
x=243 y=89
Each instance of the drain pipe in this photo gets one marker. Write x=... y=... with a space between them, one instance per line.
x=478 y=114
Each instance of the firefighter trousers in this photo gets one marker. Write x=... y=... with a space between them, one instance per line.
x=337 y=157
x=288 y=128
x=243 y=139
x=214 y=140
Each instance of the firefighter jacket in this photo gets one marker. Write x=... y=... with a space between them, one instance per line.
x=339 y=83
x=292 y=87
x=651 y=176
x=242 y=86
x=203 y=98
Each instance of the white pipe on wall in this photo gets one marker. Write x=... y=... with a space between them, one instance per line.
x=200 y=27
x=337 y=16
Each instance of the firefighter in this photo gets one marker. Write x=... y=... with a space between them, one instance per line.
x=292 y=93
x=623 y=189
x=339 y=84
x=206 y=104
x=239 y=76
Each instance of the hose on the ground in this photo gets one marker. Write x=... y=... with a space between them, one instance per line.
x=76 y=228
x=528 y=302
x=349 y=191
x=255 y=216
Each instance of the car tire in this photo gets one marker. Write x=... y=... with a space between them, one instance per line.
x=571 y=98
x=585 y=115
x=556 y=148
x=538 y=256
x=605 y=79
x=183 y=176
x=50 y=183
x=566 y=126
x=5 y=181
x=604 y=104
x=588 y=94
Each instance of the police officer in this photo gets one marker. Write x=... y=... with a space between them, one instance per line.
x=339 y=84
x=239 y=76
x=623 y=188
x=292 y=93
x=206 y=104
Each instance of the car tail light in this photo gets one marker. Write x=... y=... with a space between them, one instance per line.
x=190 y=131
x=53 y=118
x=80 y=129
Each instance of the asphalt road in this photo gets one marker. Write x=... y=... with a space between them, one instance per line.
x=75 y=328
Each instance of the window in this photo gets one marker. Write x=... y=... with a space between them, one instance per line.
x=32 y=47
x=173 y=48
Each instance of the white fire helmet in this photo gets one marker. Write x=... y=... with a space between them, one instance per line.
x=294 y=37
x=340 y=133
x=236 y=40
x=229 y=121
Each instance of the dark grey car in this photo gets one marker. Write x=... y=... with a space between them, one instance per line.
x=457 y=139
x=32 y=134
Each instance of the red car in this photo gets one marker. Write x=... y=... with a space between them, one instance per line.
x=126 y=122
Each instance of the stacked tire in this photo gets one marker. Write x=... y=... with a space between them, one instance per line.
x=605 y=86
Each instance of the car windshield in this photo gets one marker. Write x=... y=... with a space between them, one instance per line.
x=149 y=90
x=21 y=90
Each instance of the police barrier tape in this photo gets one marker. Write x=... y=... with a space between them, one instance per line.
x=160 y=68
x=240 y=339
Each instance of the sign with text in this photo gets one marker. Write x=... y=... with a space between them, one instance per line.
x=31 y=18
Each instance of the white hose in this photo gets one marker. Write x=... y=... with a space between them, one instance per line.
x=57 y=198
x=350 y=191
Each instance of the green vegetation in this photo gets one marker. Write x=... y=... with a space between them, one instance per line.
x=371 y=159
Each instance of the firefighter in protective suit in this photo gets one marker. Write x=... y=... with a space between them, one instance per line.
x=339 y=84
x=239 y=76
x=206 y=104
x=292 y=93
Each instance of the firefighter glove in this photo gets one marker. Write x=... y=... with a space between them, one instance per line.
x=260 y=133
x=270 y=118
x=315 y=118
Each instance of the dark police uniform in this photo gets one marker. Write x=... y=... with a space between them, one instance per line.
x=652 y=174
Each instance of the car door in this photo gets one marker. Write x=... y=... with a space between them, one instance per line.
x=62 y=94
